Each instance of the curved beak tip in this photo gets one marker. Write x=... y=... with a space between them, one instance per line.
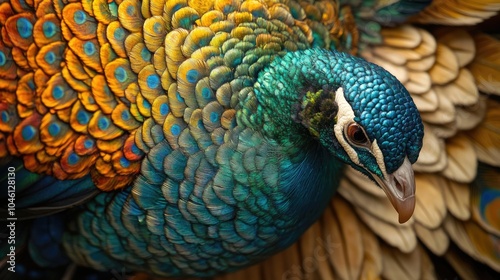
x=400 y=189
x=405 y=209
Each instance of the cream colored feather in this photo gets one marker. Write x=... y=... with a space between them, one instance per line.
x=458 y=12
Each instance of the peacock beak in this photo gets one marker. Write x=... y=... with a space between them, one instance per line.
x=400 y=189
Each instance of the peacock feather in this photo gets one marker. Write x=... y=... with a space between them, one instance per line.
x=193 y=138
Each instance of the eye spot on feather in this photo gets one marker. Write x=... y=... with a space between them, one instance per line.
x=146 y=104
x=89 y=48
x=58 y=92
x=5 y=116
x=91 y=100
x=120 y=74
x=3 y=58
x=79 y=17
x=103 y=123
x=131 y=10
x=175 y=129
x=135 y=150
x=49 y=29
x=164 y=109
x=145 y=54
x=24 y=27
x=214 y=117
x=153 y=81
x=28 y=132
x=124 y=162
x=205 y=92
x=192 y=75
x=157 y=28
x=54 y=129
x=179 y=97
x=125 y=115
x=119 y=34
x=73 y=159
x=50 y=57
x=88 y=143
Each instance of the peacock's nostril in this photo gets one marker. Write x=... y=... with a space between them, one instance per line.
x=399 y=188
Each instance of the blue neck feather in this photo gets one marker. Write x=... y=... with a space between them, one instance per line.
x=309 y=183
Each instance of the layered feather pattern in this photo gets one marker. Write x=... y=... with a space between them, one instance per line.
x=450 y=73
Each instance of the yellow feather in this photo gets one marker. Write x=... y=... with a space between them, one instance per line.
x=102 y=11
x=79 y=168
x=173 y=52
x=31 y=56
x=156 y=7
x=201 y=6
x=160 y=109
x=77 y=85
x=101 y=127
x=150 y=83
x=227 y=6
x=79 y=117
x=197 y=38
x=119 y=75
x=170 y=8
x=103 y=95
x=172 y=128
x=41 y=39
x=211 y=17
x=185 y=18
x=404 y=36
x=81 y=24
x=130 y=16
x=58 y=94
x=87 y=52
x=154 y=31
x=26 y=135
x=160 y=65
x=116 y=35
x=75 y=67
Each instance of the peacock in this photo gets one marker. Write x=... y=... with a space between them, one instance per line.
x=251 y=139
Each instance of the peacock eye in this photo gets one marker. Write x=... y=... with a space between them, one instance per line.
x=356 y=135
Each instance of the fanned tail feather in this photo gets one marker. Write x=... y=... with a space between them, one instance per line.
x=63 y=78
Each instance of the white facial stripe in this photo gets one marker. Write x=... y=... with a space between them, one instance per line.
x=379 y=156
x=345 y=115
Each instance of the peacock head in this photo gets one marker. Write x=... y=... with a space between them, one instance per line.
x=365 y=117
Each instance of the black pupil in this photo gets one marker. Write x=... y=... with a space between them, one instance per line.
x=359 y=136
